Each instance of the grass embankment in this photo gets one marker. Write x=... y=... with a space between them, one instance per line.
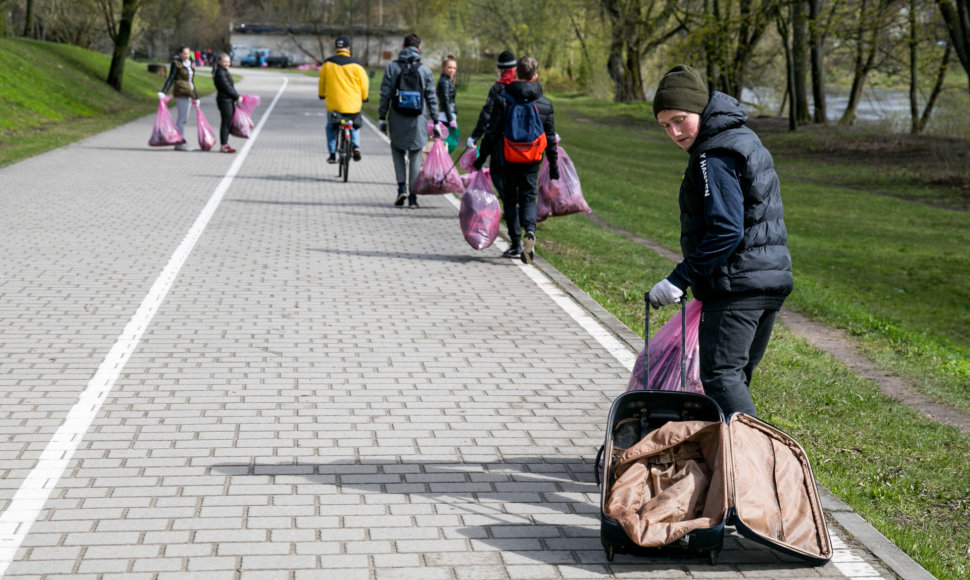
x=55 y=94
x=871 y=256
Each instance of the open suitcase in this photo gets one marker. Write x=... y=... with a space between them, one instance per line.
x=673 y=472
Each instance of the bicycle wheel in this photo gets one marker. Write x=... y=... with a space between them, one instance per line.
x=340 y=153
x=347 y=153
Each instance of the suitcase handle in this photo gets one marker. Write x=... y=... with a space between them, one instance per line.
x=683 y=342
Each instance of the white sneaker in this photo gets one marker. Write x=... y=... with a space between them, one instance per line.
x=183 y=147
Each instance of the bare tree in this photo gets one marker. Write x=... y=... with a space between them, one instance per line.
x=818 y=29
x=868 y=32
x=119 y=25
x=638 y=27
x=29 y=19
x=956 y=14
x=799 y=60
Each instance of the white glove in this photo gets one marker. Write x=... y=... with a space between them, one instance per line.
x=664 y=293
x=161 y=95
x=470 y=144
x=195 y=102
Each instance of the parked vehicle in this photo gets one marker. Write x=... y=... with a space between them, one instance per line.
x=268 y=59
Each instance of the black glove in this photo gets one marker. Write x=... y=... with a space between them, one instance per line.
x=382 y=125
x=479 y=163
x=436 y=131
x=553 y=172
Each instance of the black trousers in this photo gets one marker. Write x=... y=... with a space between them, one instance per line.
x=731 y=344
x=226 y=109
x=520 y=188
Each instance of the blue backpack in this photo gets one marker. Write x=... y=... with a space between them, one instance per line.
x=409 y=90
x=524 y=137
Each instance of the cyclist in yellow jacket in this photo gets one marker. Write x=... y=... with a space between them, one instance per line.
x=343 y=85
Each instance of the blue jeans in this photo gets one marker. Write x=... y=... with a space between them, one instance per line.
x=333 y=127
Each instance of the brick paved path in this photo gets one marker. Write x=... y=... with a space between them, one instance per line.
x=322 y=386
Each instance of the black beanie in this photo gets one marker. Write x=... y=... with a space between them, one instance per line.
x=506 y=59
x=681 y=89
x=342 y=42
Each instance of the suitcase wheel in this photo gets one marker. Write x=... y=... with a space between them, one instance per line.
x=609 y=554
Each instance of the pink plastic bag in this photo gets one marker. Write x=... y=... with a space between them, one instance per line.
x=207 y=139
x=565 y=195
x=242 y=118
x=441 y=127
x=480 y=214
x=438 y=174
x=467 y=160
x=164 y=133
x=665 y=356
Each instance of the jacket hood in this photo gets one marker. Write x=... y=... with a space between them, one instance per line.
x=409 y=54
x=524 y=90
x=723 y=112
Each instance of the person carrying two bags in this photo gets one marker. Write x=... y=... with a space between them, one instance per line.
x=522 y=122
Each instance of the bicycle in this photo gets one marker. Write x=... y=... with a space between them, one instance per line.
x=345 y=147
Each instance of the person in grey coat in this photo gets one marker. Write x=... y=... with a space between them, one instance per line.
x=408 y=133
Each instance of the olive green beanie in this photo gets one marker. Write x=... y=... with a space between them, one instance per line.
x=681 y=89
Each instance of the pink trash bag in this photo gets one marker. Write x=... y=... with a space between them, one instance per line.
x=664 y=352
x=467 y=160
x=565 y=195
x=242 y=118
x=438 y=174
x=207 y=138
x=480 y=214
x=164 y=133
x=441 y=127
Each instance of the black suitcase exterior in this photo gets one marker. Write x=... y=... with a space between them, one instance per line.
x=634 y=414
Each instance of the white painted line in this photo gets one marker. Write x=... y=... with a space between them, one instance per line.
x=27 y=503
x=601 y=334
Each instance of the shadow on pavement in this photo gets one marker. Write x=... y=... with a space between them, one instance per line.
x=457 y=258
x=544 y=510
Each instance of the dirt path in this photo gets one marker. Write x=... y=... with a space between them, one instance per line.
x=836 y=344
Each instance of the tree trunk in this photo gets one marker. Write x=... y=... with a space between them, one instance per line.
x=956 y=15
x=4 y=29
x=798 y=59
x=116 y=71
x=913 y=73
x=863 y=64
x=937 y=87
x=28 y=19
x=815 y=42
x=786 y=42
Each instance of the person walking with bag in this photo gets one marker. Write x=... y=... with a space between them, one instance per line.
x=506 y=75
x=343 y=86
x=447 y=111
x=407 y=93
x=226 y=98
x=181 y=76
x=522 y=127
x=732 y=235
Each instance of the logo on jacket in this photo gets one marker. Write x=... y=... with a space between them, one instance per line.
x=707 y=187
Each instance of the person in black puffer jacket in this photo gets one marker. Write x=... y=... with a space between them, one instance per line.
x=521 y=178
x=733 y=235
x=226 y=98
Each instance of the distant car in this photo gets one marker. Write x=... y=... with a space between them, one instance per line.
x=270 y=60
